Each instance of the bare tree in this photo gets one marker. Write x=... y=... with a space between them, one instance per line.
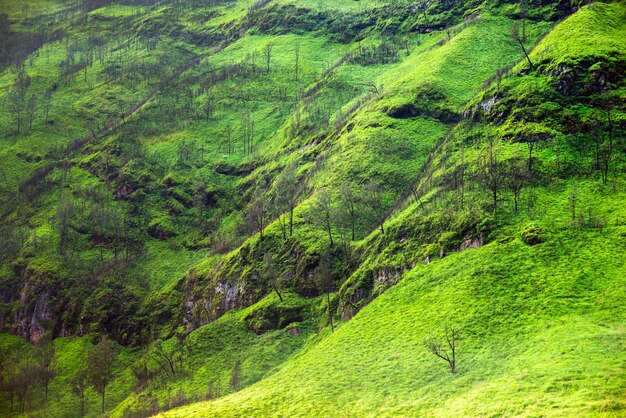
x=406 y=44
x=171 y=359
x=47 y=102
x=490 y=170
x=247 y=132
x=416 y=192
x=446 y=348
x=9 y=378
x=258 y=212
x=516 y=178
x=287 y=190
x=373 y=197
x=166 y=359
x=24 y=379
x=32 y=105
x=100 y=366
x=78 y=385
x=267 y=54
x=348 y=207
x=297 y=60
x=209 y=107
x=532 y=140
x=181 y=348
x=277 y=204
x=323 y=212
x=270 y=273
x=228 y=134
x=519 y=36
x=17 y=97
x=45 y=358
x=324 y=279
x=65 y=212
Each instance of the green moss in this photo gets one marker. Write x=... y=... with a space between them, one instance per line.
x=533 y=235
x=172 y=186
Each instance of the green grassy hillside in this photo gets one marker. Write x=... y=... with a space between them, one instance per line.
x=541 y=333
x=272 y=206
x=541 y=325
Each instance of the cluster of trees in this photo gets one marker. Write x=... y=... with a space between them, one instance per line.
x=21 y=371
x=347 y=208
x=162 y=359
x=12 y=239
x=492 y=172
x=120 y=61
x=596 y=142
x=343 y=211
x=17 y=45
x=385 y=52
x=108 y=226
x=324 y=276
x=21 y=104
x=24 y=371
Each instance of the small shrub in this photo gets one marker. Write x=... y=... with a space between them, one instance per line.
x=533 y=235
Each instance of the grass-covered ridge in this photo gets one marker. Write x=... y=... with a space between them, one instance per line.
x=542 y=332
x=216 y=185
x=524 y=308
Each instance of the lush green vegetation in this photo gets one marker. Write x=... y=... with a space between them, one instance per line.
x=216 y=186
x=507 y=299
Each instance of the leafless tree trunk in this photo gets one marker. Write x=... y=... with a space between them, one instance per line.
x=520 y=37
x=491 y=172
x=323 y=212
x=324 y=280
x=267 y=54
x=287 y=190
x=374 y=198
x=257 y=212
x=446 y=349
x=297 y=60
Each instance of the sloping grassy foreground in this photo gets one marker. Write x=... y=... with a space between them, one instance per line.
x=214 y=350
x=542 y=333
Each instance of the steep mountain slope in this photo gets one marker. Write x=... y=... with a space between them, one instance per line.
x=218 y=184
x=542 y=326
x=541 y=332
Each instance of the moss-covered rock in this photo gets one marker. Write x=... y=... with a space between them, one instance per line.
x=274 y=316
x=533 y=235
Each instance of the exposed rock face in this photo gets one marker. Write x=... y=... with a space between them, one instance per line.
x=203 y=305
x=366 y=287
x=39 y=307
x=471 y=243
x=566 y=78
x=349 y=304
x=226 y=296
x=189 y=302
x=386 y=277
x=234 y=283
x=488 y=104
x=376 y=283
x=294 y=332
x=31 y=319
